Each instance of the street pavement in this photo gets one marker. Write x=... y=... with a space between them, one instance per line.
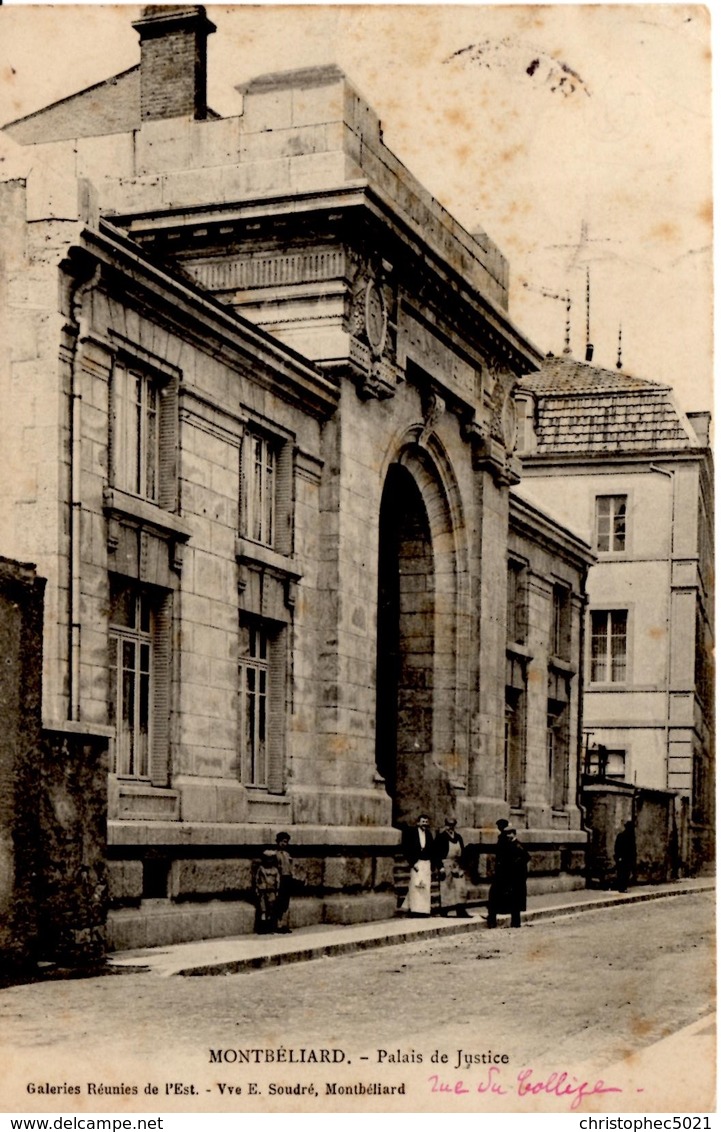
x=241 y=953
x=595 y=987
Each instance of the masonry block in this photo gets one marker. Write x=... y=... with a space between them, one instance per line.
x=545 y=861
x=348 y=873
x=308 y=872
x=191 y=878
x=305 y=910
x=359 y=909
x=125 y=881
x=384 y=873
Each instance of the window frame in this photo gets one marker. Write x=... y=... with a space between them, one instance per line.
x=268 y=668
x=608 y=677
x=613 y=516
x=156 y=638
x=594 y=762
x=558 y=749
x=120 y=637
x=560 y=628
x=526 y=438
x=515 y=746
x=516 y=601
x=266 y=489
x=154 y=480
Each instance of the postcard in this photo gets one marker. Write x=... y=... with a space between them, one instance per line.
x=356 y=575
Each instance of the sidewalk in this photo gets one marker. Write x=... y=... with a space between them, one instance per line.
x=244 y=953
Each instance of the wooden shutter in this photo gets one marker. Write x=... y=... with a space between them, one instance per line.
x=277 y=647
x=284 y=498
x=161 y=662
x=168 y=446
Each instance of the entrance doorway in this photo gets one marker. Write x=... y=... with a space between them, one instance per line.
x=406 y=645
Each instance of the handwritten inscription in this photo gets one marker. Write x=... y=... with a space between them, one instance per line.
x=563 y=1085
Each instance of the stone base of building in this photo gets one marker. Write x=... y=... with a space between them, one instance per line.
x=158 y=923
x=171 y=883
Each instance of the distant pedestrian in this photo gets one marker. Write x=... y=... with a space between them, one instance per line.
x=508 y=887
x=266 y=885
x=285 y=868
x=624 y=852
x=419 y=850
x=453 y=884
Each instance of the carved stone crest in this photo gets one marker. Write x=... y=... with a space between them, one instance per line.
x=371 y=347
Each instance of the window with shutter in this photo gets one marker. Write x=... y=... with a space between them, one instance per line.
x=266 y=491
x=144 y=434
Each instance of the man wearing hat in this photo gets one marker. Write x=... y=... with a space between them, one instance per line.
x=508 y=888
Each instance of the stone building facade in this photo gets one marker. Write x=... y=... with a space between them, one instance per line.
x=266 y=383
x=614 y=458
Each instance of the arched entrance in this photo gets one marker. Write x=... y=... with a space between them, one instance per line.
x=406 y=645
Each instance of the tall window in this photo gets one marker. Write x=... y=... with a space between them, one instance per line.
x=144 y=433
x=557 y=752
x=261 y=684
x=254 y=687
x=517 y=603
x=609 y=629
x=136 y=432
x=561 y=623
x=259 y=482
x=130 y=667
x=514 y=746
x=611 y=513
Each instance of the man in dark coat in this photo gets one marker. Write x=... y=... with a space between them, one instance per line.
x=508 y=888
x=624 y=852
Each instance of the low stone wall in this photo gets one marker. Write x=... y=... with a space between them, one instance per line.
x=164 y=894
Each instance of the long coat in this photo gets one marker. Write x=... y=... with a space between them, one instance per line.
x=508 y=888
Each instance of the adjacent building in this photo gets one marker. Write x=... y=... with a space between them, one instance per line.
x=614 y=458
x=261 y=448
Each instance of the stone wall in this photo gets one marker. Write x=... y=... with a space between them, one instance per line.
x=72 y=887
x=21 y=603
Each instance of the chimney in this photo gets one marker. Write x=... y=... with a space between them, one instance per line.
x=589 y=351
x=173 y=61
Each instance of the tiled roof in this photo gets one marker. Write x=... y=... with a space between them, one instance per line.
x=567 y=375
x=581 y=408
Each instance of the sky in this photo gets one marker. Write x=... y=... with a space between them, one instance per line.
x=577 y=137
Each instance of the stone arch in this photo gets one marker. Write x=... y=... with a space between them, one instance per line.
x=423 y=631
